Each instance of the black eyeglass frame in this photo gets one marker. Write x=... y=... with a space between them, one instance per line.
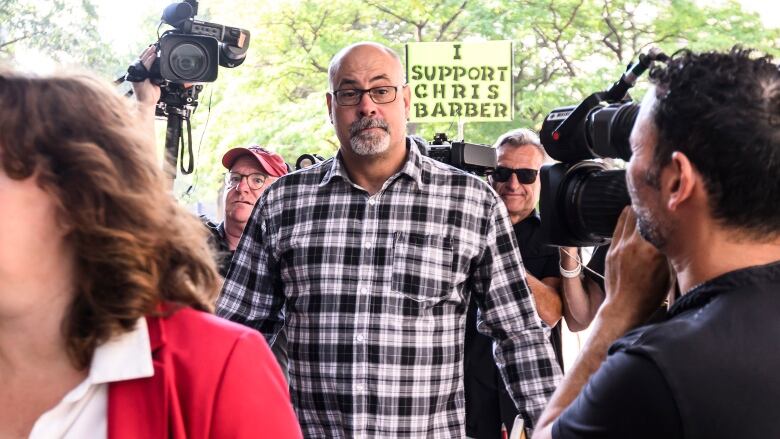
x=248 y=179
x=524 y=175
x=361 y=92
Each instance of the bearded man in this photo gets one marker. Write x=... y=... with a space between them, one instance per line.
x=369 y=260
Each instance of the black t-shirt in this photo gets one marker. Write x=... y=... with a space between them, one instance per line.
x=701 y=373
x=626 y=398
x=541 y=260
x=597 y=263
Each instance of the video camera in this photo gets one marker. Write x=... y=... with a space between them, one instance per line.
x=470 y=157
x=194 y=49
x=581 y=198
x=189 y=53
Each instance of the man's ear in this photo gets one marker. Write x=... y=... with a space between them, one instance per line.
x=329 y=101
x=681 y=180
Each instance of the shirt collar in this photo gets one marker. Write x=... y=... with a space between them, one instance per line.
x=532 y=217
x=701 y=294
x=123 y=358
x=413 y=167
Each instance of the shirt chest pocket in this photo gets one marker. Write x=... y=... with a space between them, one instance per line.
x=422 y=267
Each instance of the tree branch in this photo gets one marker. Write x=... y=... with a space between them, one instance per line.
x=449 y=22
x=561 y=48
x=393 y=14
x=613 y=31
x=8 y=43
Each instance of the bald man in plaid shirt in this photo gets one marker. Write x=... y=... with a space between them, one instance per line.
x=369 y=260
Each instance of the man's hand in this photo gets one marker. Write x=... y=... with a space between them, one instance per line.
x=637 y=275
x=146 y=93
x=636 y=281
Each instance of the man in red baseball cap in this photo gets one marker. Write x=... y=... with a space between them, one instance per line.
x=250 y=171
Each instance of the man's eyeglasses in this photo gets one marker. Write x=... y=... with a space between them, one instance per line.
x=352 y=96
x=254 y=181
x=525 y=176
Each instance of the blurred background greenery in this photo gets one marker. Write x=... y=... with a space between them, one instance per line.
x=563 y=50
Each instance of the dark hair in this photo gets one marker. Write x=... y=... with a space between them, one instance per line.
x=722 y=110
x=135 y=246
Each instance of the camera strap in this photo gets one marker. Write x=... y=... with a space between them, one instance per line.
x=191 y=164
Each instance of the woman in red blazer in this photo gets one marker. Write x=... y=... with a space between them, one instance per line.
x=106 y=285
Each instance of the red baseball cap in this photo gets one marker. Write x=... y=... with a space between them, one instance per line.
x=272 y=163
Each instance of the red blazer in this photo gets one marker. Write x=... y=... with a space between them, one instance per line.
x=212 y=379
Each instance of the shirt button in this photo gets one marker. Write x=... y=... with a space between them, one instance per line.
x=359 y=337
x=364 y=290
x=367 y=245
x=360 y=387
x=372 y=201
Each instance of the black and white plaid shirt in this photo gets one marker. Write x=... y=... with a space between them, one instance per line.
x=373 y=291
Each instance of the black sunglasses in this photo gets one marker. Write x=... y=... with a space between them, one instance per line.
x=524 y=175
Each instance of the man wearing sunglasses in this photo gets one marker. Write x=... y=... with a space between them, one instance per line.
x=520 y=156
x=369 y=259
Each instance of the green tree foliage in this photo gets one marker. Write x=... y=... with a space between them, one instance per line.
x=64 y=30
x=563 y=50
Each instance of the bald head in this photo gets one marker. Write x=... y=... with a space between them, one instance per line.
x=356 y=51
x=366 y=127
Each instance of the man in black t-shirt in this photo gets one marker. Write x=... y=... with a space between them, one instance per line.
x=704 y=193
x=520 y=155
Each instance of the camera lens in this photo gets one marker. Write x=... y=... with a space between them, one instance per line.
x=188 y=61
x=596 y=198
x=609 y=129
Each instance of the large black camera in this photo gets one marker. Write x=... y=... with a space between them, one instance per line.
x=194 y=49
x=581 y=198
x=189 y=53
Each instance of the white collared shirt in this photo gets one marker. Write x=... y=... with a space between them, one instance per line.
x=83 y=412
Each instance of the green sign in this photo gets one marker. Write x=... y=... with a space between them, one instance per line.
x=468 y=81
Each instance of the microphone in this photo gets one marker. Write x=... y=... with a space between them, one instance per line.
x=176 y=14
x=619 y=89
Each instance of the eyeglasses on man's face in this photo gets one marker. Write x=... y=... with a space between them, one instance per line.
x=380 y=95
x=254 y=181
x=524 y=175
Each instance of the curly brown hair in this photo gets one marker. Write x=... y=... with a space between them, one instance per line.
x=135 y=246
x=722 y=110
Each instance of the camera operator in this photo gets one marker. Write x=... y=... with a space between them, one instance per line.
x=519 y=156
x=250 y=171
x=703 y=185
